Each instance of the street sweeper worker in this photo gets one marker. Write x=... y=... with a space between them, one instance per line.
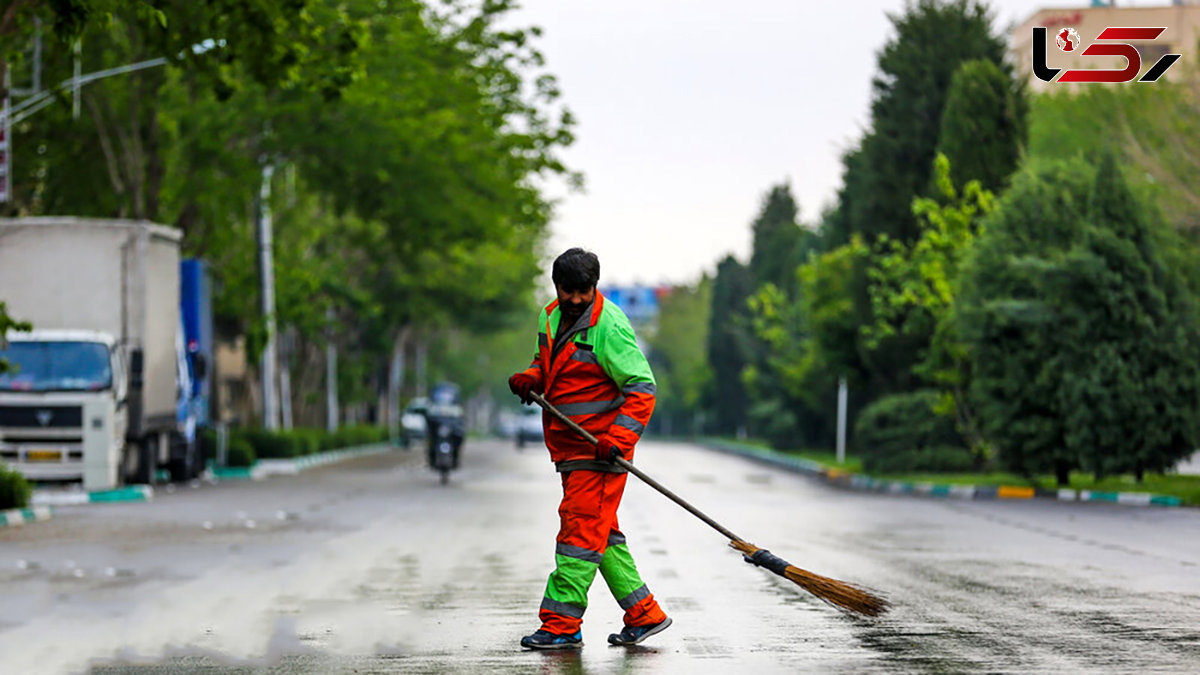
x=589 y=366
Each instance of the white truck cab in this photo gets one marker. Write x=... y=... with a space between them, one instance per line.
x=59 y=405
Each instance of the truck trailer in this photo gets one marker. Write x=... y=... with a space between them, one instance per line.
x=96 y=389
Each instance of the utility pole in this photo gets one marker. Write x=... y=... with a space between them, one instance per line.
x=422 y=365
x=266 y=278
x=37 y=55
x=5 y=144
x=331 y=396
x=841 y=421
x=286 y=344
x=75 y=82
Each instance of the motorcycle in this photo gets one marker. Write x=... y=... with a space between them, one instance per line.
x=445 y=454
x=445 y=429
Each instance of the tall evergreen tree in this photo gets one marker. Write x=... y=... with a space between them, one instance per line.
x=777 y=239
x=1131 y=395
x=933 y=38
x=1010 y=330
x=1081 y=334
x=984 y=124
x=726 y=334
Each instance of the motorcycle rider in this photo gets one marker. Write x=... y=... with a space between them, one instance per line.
x=444 y=421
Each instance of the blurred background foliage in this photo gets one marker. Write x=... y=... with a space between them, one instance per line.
x=1005 y=280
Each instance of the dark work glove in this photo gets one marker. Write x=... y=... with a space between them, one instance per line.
x=522 y=384
x=607 y=451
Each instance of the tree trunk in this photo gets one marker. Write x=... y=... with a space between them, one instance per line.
x=422 y=365
x=1062 y=473
x=396 y=379
x=1139 y=472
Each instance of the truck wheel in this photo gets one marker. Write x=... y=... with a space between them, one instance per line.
x=140 y=459
x=186 y=460
x=199 y=461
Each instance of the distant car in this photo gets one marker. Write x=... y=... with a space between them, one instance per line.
x=529 y=427
x=506 y=423
x=413 y=418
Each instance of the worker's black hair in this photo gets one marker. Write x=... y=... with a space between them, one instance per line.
x=576 y=270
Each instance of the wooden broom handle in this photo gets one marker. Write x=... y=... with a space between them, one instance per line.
x=625 y=464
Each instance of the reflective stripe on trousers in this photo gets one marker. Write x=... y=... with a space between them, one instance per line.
x=590 y=541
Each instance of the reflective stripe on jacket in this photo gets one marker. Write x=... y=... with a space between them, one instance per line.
x=598 y=377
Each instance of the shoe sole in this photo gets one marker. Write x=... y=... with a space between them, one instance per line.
x=653 y=631
x=567 y=645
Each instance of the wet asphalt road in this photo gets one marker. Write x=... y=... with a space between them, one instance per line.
x=370 y=566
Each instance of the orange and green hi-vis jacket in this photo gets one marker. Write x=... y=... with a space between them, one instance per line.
x=598 y=377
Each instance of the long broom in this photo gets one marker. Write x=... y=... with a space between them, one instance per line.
x=837 y=593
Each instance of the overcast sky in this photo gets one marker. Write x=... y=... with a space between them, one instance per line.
x=690 y=110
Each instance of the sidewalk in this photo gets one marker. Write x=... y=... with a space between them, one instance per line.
x=42 y=500
x=265 y=468
x=857 y=481
x=14 y=517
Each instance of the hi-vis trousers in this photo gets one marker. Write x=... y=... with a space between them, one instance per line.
x=589 y=540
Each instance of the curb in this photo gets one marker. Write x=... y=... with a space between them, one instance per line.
x=14 y=517
x=859 y=481
x=264 y=468
x=132 y=493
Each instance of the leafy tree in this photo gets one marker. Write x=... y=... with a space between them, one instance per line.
x=984 y=124
x=780 y=244
x=1081 y=332
x=913 y=290
x=278 y=41
x=726 y=333
x=480 y=361
x=790 y=407
x=806 y=344
x=290 y=45
x=65 y=20
x=679 y=357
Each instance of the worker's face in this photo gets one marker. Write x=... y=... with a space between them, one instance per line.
x=572 y=302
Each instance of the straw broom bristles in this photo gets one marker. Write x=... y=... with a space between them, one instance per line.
x=837 y=593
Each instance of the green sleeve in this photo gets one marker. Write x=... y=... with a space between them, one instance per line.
x=620 y=356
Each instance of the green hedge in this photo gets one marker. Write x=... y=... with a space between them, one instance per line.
x=902 y=433
x=263 y=444
x=240 y=453
x=14 y=489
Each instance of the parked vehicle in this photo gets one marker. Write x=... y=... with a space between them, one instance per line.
x=529 y=427
x=412 y=420
x=101 y=389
